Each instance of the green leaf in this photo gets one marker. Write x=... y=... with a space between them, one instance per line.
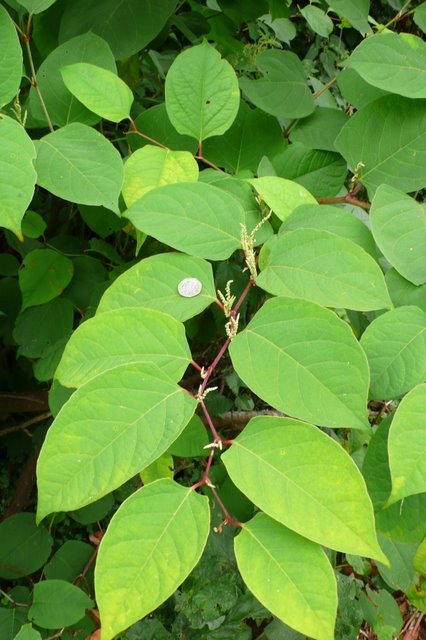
x=95 y=511
x=192 y=440
x=419 y=16
x=375 y=467
x=100 y=90
x=419 y=560
x=155 y=123
x=18 y=176
x=33 y=225
x=395 y=345
x=304 y=479
x=283 y=90
x=322 y=173
x=57 y=603
x=401 y=574
x=318 y=21
x=320 y=129
x=395 y=62
x=403 y=292
x=153 y=283
x=11 y=59
x=127 y=26
x=24 y=547
x=152 y=544
x=401 y=162
x=69 y=561
x=407 y=446
x=152 y=167
x=11 y=621
x=27 y=632
x=110 y=429
x=202 y=95
x=41 y=326
x=79 y=164
x=197 y=218
x=123 y=336
x=44 y=275
x=281 y=195
x=245 y=142
x=356 y=90
x=355 y=11
x=398 y=224
x=61 y=105
x=333 y=219
x=289 y=575
x=162 y=467
x=322 y=267
x=36 y=6
x=321 y=372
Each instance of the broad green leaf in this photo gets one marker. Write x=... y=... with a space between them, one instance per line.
x=10 y=59
x=191 y=441
x=403 y=292
x=153 y=283
x=419 y=16
x=127 y=26
x=243 y=10
x=375 y=467
x=304 y=479
x=325 y=268
x=100 y=90
x=152 y=544
x=123 y=336
x=320 y=371
x=44 y=275
x=401 y=574
x=36 y=6
x=69 y=561
x=162 y=467
x=202 y=95
x=24 y=547
x=320 y=129
x=95 y=511
x=41 y=326
x=419 y=560
x=281 y=195
x=333 y=219
x=395 y=62
x=283 y=90
x=245 y=142
x=79 y=164
x=61 y=105
x=57 y=603
x=398 y=224
x=33 y=225
x=197 y=218
x=395 y=345
x=322 y=173
x=110 y=429
x=289 y=575
x=401 y=162
x=27 y=632
x=356 y=90
x=17 y=175
x=318 y=21
x=407 y=446
x=155 y=123
x=152 y=167
x=355 y=12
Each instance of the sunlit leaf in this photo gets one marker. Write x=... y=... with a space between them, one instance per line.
x=10 y=59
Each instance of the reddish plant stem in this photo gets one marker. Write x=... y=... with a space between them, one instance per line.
x=195 y=365
x=210 y=422
x=228 y=518
x=348 y=199
x=143 y=135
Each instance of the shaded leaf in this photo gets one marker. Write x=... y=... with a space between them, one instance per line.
x=320 y=129
x=44 y=275
x=403 y=292
x=154 y=123
x=57 y=603
x=24 y=546
x=10 y=60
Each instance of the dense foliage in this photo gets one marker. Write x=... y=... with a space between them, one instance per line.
x=213 y=305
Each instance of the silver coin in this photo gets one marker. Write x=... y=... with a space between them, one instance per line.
x=189 y=287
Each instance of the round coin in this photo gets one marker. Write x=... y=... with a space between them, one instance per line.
x=189 y=287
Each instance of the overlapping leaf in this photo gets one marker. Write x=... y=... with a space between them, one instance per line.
x=153 y=283
x=322 y=267
x=320 y=371
x=281 y=195
x=17 y=173
x=395 y=345
x=404 y=292
x=153 y=542
x=44 y=276
x=289 y=575
x=398 y=224
x=79 y=164
x=305 y=480
x=202 y=95
x=320 y=129
x=152 y=167
x=197 y=218
x=407 y=446
x=111 y=428
x=123 y=336
x=388 y=136
x=10 y=59
x=355 y=11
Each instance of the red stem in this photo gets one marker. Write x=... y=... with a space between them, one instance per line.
x=345 y=199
